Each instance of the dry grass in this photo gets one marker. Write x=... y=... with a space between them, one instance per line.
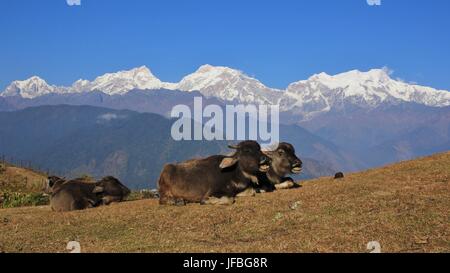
x=404 y=206
x=21 y=180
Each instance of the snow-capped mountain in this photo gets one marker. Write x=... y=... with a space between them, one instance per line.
x=30 y=88
x=229 y=85
x=318 y=94
x=322 y=92
x=121 y=82
x=118 y=83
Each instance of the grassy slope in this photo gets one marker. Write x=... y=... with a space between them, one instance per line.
x=21 y=180
x=406 y=207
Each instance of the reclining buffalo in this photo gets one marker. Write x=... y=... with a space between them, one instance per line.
x=284 y=161
x=217 y=179
x=78 y=194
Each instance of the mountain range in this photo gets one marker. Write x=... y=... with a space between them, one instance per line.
x=357 y=119
x=320 y=93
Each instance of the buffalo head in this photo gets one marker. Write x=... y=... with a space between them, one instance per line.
x=284 y=160
x=248 y=157
x=110 y=189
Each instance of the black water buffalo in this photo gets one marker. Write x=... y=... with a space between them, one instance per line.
x=217 y=179
x=339 y=175
x=110 y=190
x=78 y=194
x=284 y=161
x=73 y=195
x=53 y=183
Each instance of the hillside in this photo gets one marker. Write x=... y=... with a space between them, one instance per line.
x=405 y=207
x=387 y=134
x=13 y=178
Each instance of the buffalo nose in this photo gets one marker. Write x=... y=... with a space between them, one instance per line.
x=298 y=163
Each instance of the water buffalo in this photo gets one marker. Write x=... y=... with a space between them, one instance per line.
x=73 y=195
x=217 y=179
x=284 y=161
x=110 y=190
x=78 y=194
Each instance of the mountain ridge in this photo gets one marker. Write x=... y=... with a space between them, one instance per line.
x=318 y=94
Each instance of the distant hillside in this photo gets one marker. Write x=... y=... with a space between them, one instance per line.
x=405 y=207
x=386 y=134
x=156 y=101
x=79 y=140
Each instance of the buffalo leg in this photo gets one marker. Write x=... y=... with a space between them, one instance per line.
x=218 y=201
x=285 y=185
x=79 y=205
x=248 y=192
x=111 y=199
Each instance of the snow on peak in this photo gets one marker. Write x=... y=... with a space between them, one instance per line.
x=351 y=78
x=207 y=68
x=80 y=86
x=118 y=83
x=366 y=89
x=227 y=84
x=207 y=76
x=123 y=81
x=30 y=88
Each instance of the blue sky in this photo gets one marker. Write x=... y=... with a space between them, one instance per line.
x=278 y=42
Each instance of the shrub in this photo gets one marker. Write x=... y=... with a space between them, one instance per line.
x=17 y=199
x=139 y=195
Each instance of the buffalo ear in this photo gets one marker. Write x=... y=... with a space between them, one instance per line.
x=98 y=189
x=228 y=162
x=50 y=183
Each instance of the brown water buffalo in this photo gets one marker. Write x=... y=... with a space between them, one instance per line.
x=217 y=179
x=78 y=194
x=284 y=161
